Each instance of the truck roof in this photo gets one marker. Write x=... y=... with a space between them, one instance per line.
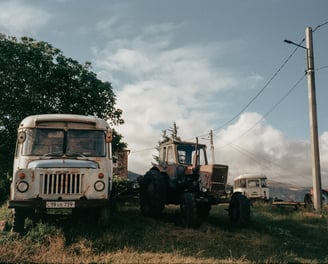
x=41 y=120
x=251 y=176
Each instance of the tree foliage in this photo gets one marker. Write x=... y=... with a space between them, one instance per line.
x=36 y=78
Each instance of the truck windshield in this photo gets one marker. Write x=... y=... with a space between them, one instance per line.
x=57 y=142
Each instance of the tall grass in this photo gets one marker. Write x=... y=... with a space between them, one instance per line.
x=274 y=236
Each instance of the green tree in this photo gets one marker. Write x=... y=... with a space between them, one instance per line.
x=36 y=78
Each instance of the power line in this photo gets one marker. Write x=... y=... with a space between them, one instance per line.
x=281 y=99
x=270 y=80
x=264 y=87
x=321 y=68
x=141 y=150
x=268 y=164
x=272 y=108
x=323 y=24
x=260 y=92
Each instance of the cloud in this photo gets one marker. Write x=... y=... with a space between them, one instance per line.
x=158 y=84
x=266 y=150
x=16 y=17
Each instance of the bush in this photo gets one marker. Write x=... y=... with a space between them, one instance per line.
x=4 y=188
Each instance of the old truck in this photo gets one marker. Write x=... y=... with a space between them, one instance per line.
x=62 y=163
x=184 y=177
x=253 y=185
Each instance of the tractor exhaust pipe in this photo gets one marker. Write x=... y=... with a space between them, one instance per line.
x=195 y=158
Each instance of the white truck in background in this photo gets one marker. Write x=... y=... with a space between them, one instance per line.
x=252 y=185
x=62 y=163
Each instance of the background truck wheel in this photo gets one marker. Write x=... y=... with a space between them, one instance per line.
x=18 y=217
x=239 y=210
x=189 y=211
x=152 y=193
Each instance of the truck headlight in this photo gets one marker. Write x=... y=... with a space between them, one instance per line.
x=99 y=186
x=22 y=186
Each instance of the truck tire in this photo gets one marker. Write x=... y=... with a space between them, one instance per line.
x=239 y=209
x=103 y=216
x=153 y=193
x=189 y=211
x=18 y=220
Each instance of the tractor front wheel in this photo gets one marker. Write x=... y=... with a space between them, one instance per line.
x=152 y=193
x=239 y=209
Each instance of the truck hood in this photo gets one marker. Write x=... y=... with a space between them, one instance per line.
x=63 y=163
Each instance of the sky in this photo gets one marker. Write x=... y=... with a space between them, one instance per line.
x=219 y=65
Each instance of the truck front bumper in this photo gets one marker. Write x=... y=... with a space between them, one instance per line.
x=43 y=204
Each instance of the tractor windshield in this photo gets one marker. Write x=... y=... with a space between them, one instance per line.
x=186 y=154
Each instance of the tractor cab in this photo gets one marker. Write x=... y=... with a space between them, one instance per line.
x=183 y=153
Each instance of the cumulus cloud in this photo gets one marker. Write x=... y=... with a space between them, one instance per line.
x=264 y=149
x=164 y=84
x=16 y=17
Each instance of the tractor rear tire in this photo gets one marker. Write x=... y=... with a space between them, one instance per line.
x=153 y=193
x=189 y=211
x=239 y=209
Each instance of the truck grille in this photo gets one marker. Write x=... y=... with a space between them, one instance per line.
x=62 y=183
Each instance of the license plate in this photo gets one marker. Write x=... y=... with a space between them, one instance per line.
x=61 y=204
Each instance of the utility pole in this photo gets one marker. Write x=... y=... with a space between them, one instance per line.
x=316 y=173
x=212 y=147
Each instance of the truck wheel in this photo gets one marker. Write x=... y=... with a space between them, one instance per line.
x=103 y=216
x=152 y=193
x=18 y=217
x=239 y=209
x=189 y=213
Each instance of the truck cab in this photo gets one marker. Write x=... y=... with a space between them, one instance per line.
x=61 y=162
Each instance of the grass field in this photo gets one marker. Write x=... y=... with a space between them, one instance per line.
x=275 y=235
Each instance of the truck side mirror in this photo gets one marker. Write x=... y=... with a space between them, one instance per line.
x=21 y=137
x=109 y=136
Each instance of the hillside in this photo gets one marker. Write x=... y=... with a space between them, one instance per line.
x=287 y=192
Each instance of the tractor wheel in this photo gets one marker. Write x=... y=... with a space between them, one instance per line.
x=152 y=193
x=239 y=209
x=18 y=220
x=189 y=211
